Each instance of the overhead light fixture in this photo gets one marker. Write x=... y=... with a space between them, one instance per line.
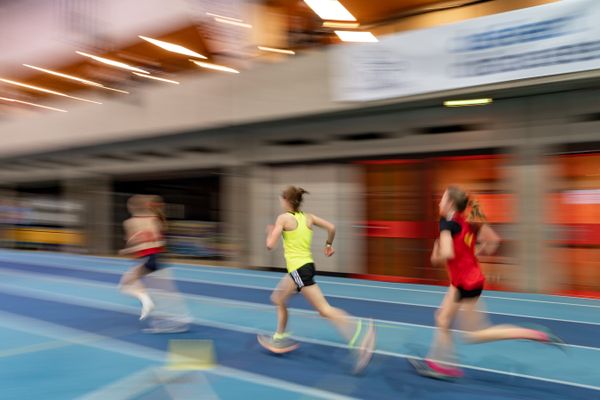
x=356 y=36
x=224 y=17
x=330 y=10
x=71 y=77
x=215 y=67
x=468 y=103
x=44 y=90
x=156 y=78
x=113 y=63
x=340 y=25
x=31 y=104
x=275 y=50
x=113 y=89
x=172 y=47
x=231 y=22
x=74 y=78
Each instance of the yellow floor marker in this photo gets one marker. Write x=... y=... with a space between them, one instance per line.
x=191 y=355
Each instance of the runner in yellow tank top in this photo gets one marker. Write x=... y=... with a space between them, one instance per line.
x=296 y=243
x=295 y=227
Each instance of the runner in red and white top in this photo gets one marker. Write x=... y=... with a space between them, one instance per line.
x=460 y=241
x=145 y=241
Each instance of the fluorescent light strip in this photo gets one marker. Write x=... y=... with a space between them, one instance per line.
x=156 y=78
x=467 y=103
x=215 y=67
x=74 y=78
x=31 y=104
x=113 y=63
x=224 y=17
x=71 y=77
x=274 y=50
x=355 y=36
x=113 y=89
x=340 y=25
x=227 y=21
x=173 y=48
x=330 y=10
x=40 y=89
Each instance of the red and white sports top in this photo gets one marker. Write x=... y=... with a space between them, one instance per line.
x=144 y=235
x=464 y=268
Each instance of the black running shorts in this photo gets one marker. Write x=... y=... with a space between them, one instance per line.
x=151 y=262
x=304 y=276
x=468 y=294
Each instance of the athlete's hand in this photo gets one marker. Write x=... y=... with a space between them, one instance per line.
x=435 y=259
x=329 y=251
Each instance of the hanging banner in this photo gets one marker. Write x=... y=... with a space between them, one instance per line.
x=551 y=39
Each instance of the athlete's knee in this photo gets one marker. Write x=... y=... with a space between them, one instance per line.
x=328 y=311
x=277 y=299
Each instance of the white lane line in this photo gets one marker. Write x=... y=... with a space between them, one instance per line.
x=197 y=298
x=129 y=387
x=34 y=348
x=56 y=331
x=202 y=300
x=381 y=323
x=270 y=288
x=277 y=276
x=133 y=310
x=439 y=292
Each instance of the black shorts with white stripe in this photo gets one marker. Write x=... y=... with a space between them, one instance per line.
x=304 y=276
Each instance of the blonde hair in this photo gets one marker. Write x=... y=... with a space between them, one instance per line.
x=462 y=200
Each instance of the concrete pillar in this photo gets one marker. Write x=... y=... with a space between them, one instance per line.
x=95 y=197
x=236 y=214
x=531 y=180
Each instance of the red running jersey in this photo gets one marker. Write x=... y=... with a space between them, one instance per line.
x=464 y=268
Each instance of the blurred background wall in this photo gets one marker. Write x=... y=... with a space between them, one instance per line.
x=219 y=148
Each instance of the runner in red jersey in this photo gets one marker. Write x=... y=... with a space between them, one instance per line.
x=461 y=240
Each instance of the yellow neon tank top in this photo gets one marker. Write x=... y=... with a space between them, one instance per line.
x=296 y=244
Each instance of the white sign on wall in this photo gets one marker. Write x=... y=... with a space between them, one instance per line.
x=551 y=39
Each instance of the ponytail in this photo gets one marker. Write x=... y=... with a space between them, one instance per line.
x=476 y=213
x=295 y=196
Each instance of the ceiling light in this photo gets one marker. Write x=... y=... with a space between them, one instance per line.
x=71 y=77
x=113 y=89
x=174 y=48
x=113 y=63
x=215 y=67
x=156 y=78
x=223 y=17
x=340 y=25
x=40 y=89
x=354 y=36
x=31 y=104
x=230 y=22
x=330 y=10
x=274 y=50
x=467 y=103
x=74 y=78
